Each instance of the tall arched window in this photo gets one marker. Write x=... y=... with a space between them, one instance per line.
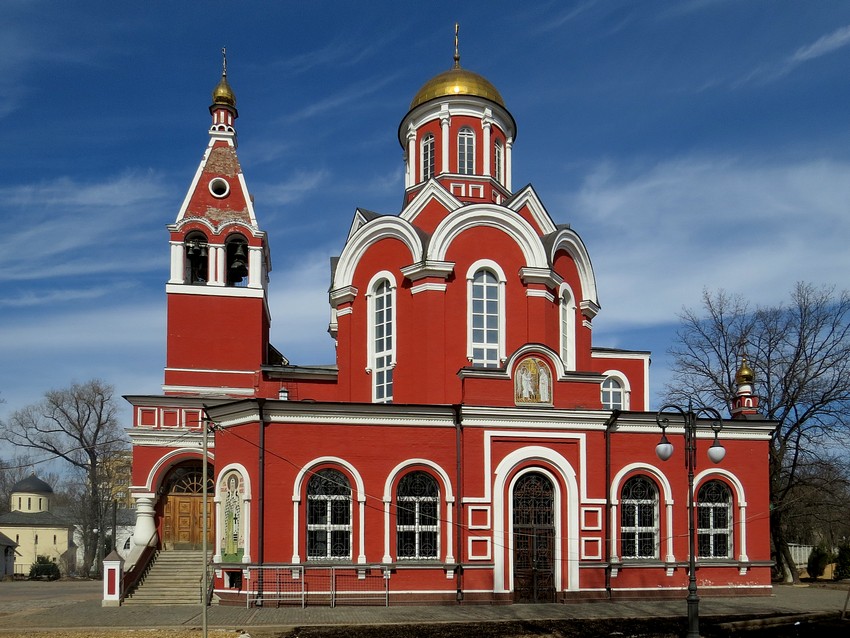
x=328 y=516
x=498 y=160
x=383 y=341
x=417 y=518
x=639 y=519
x=486 y=319
x=427 y=154
x=568 y=328
x=714 y=520
x=612 y=394
x=466 y=151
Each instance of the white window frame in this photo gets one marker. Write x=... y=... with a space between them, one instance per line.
x=427 y=152
x=496 y=270
x=372 y=340
x=567 y=314
x=498 y=161
x=713 y=530
x=633 y=527
x=466 y=151
x=625 y=389
x=418 y=527
x=329 y=527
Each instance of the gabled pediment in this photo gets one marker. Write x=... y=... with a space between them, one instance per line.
x=432 y=191
x=527 y=197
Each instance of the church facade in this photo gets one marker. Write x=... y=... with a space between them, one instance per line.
x=470 y=444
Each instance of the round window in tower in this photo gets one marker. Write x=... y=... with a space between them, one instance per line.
x=219 y=187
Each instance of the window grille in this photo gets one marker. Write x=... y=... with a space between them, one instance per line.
x=328 y=516
x=714 y=520
x=417 y=519
x=639 y=519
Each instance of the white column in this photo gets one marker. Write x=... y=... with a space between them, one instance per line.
x=145 y=532
x=216 y=265
x=509 y=146
x=486 y=123
x=255 y=267
x=671 y=558
x=445 y=120
x=178 y=268
x=387 y=557
x=449 y=529
x=612 y=518
x=361 y=540
x=742 y=518
x=295 y=502
x=412 y=160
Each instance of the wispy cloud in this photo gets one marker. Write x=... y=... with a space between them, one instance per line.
x=822 y=46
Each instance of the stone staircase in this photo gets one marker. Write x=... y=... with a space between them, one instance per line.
x=173 y=579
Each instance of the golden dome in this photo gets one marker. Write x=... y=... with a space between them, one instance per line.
x=745 y=374
x=457 y=81
x=223 y=94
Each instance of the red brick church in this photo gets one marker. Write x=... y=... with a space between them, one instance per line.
x=470 y=443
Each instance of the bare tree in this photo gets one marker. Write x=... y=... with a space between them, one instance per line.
x=800 y=353
x=79 y=426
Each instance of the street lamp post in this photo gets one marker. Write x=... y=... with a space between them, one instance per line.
x=716 y=452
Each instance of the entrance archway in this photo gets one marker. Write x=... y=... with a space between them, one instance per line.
x=534 y=539
x=182 y=507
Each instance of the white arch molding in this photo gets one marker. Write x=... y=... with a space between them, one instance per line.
x=666 y=492
x=246 y=512
x=713 y=472
x=568 y=241
x=448 y=501
x=547 y=461
x=359 y=496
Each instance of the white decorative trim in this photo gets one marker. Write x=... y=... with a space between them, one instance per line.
x=165 y=461
x=486 y=510
x=741 y=501
x=445 y=529
x=251 y=372
x=667 y=494
x=246 y=511
x=428 y=287
x=359 y=496
x=345 y=294
x=428 y=268
x=625 y=386
x=591 y=528
x=567 y=325
x=496 y=269
x=209 y=390
x=568 y=241
x=502 y=572
x=585 y=552
x=365 y=237
x=383 y=275
x=488 y=555
x=477 y=215
x=215 y=291
x=528 y=198
x=545 y=294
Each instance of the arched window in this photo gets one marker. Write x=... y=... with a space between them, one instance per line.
x=639 y=519
x=383 y=341
x=714 y=520
x=328 y=516
x=498 y=160
x=427 y=153
x=417 y=519
x=197 y=258
x=236 y=269
x=568 y=329
x=612 y=394
x=486 y=319
x=466 y=151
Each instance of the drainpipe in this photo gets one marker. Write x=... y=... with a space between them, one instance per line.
x=609 y=425
x=261 y=507
x=458 y=418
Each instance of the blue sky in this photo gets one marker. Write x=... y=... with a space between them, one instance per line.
x=692 y=144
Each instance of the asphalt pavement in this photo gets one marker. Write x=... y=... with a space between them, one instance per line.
x=69 y=604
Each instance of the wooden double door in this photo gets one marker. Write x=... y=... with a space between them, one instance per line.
x=183 y=510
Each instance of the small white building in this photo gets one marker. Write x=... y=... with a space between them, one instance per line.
x=35 y=529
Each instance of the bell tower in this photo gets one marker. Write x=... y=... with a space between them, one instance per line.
x=218 y=313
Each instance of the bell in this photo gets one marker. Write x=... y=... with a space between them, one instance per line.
x=239 y=253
